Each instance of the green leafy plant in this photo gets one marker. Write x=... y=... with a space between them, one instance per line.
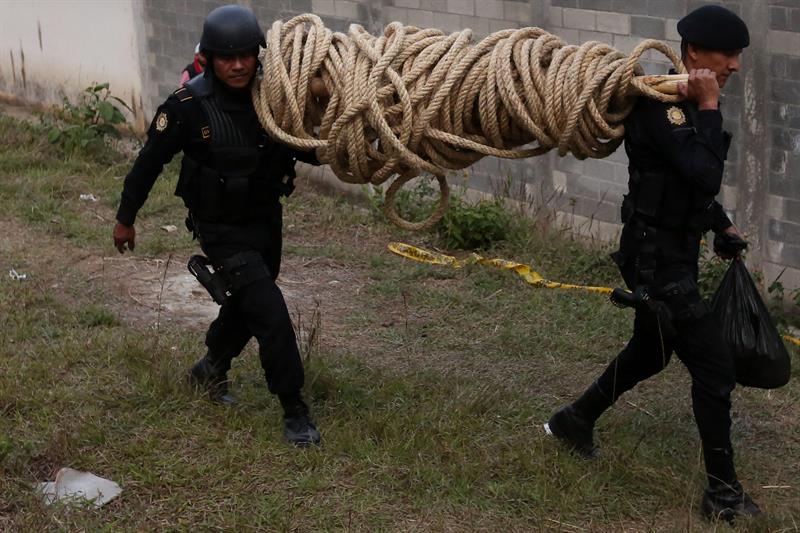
x=87 y=124
x=711 y=271
x=414 y=202
x=471 y=226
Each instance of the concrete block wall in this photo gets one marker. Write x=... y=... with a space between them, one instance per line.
x=761 y=105
x=782 y=218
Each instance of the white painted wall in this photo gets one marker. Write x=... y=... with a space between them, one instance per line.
x=52 y=48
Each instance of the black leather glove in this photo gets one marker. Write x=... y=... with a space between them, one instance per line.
x=729 y=246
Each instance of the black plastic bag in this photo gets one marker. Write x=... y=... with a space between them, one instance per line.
x=758 y=351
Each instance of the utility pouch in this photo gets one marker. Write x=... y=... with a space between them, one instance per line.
x=244 y=268
x=212 y=281
x=684 y=300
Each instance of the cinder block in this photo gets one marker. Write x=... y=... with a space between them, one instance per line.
x=586 y=36
x=614 y=23
x=794 y=19
x=626 y=44
x=498 y=25
x=447 y=22
x=517 y=11
x=778 y=160
x=785 y=116
x=568 y=35
x=599 y=169
x=649 y=27
x=409 y=4
x=790 y=209
x=336 y=24
x=594 y=209
x=347 y=9
x=793 y=165
x=579 y=19
x=392 y=14
x=672 y=30
x=597 y=5
x=555 y=17
x=633 y=7
x=478 y=25
x=301 y=6
x=667 y=8
x=782 y=185
x=793 y=68
x=786 y=91
x=433 y=5
x=462 y=7
x=621 y=173
x=490 y=9
x=323 y=7
x=784 y=42
x=564 y=3
x=420 y=18
x=778 y=18
x=784 y=231
x=560 y=180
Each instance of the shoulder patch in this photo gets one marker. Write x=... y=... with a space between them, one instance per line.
x=161 y=121
x=676 y=116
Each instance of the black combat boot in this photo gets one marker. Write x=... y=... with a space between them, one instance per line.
x=298 y=429
x=206 y=374
x=724 y=499
x=574 y=424
x=728 y=502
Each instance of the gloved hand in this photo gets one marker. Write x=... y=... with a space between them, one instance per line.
x=729 y=245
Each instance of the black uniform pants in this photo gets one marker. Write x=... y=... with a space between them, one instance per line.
x=257 y=309
x=698 y=343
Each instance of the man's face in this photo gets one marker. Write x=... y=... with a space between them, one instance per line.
x=722 y=62
x=235 y=70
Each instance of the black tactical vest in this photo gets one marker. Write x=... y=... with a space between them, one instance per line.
x=231 y=170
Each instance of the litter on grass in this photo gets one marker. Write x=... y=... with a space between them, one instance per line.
x=82 y=488
x=17 y=276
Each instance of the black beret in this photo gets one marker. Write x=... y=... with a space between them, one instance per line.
x=714 y=27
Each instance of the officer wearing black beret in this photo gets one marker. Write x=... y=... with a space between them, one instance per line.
x=232 y=178
x=676 y=158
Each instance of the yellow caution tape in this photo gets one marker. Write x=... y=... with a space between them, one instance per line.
x=530 y=276
x=524 y=271
x=793 y=340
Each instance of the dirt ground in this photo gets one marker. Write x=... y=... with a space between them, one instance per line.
x=147 y=292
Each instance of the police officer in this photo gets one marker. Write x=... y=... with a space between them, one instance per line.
x=232 y=177
x=676 y=157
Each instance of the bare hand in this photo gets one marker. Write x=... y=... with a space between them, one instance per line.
x=124 y=235
x=702 y=88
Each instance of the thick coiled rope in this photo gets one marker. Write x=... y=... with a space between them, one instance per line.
x=416 y=100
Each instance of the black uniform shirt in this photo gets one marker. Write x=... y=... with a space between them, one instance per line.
x=684 y=141
x=175 y=128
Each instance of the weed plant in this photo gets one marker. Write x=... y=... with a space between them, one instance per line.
x=85 y=125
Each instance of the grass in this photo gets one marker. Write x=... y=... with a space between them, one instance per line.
x=429 y=385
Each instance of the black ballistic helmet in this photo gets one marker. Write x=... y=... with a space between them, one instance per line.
x=715 y=28
x=230 y=29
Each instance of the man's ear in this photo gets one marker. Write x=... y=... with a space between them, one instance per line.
x=692 y=52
